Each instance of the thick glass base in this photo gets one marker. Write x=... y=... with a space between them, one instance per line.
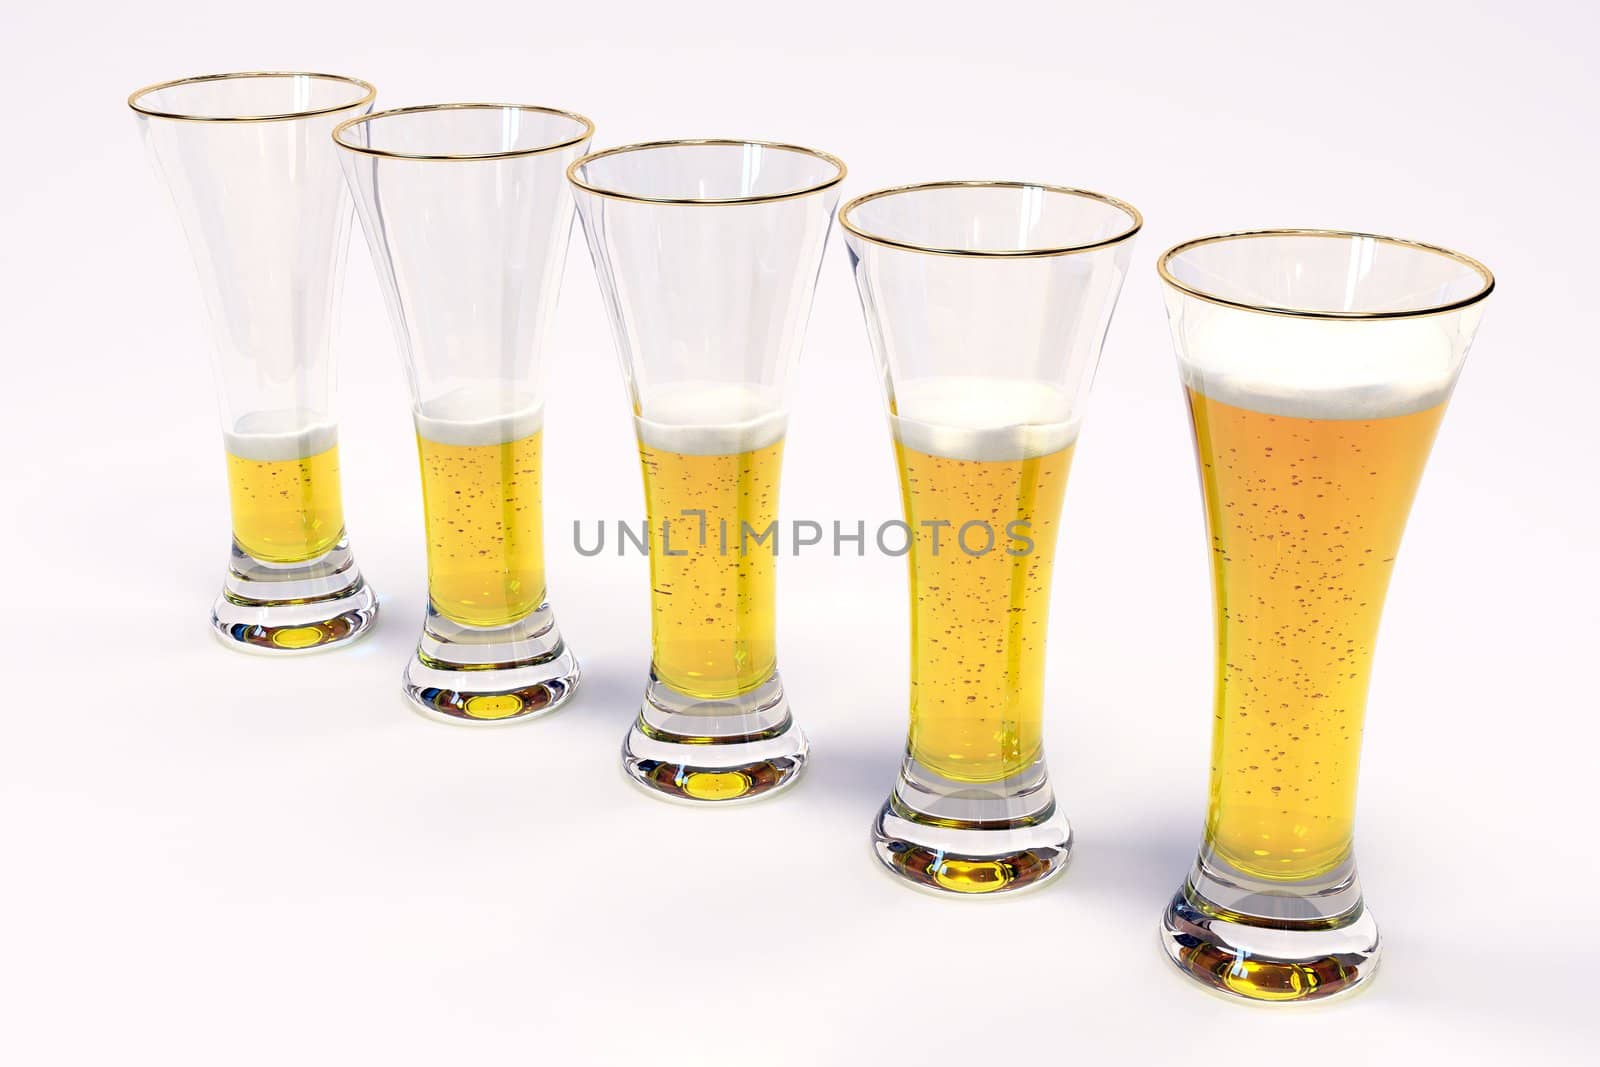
x=493 y=675
x=972 y=838
x=286 y=609
x=1271 y=941
x=714 y=751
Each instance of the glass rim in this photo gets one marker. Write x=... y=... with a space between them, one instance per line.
x=1314 y=313
x=700 y=201
x=446 y=157
x=1136 y=220
x=369 y=94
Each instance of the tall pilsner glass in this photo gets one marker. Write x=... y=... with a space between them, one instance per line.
x=1317 y=366
x=249 y=164
x=468 y=215
x=987 y=303
x=708 y=253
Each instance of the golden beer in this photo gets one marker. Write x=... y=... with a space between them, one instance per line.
x=283 y=488
x=983 y=500
x=713 y=591
x=1305 y=517
x=484 y=514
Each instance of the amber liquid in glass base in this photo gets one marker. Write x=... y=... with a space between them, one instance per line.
x=713 y=573
x=714 y=725
x=283 y=488
x=978 y=621
x=1305 y=517
x=983 y=470
x=481 y=492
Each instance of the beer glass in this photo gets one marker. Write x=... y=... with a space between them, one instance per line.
x=468 y=215
x=708 y=253
x=987 y=303
x=1317 y=365
x=249 y=165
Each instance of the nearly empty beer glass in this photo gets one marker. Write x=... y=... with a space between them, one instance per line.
x=987 y=303
x=468 y=215
x=708 y=253
x=251 y=169
x=1317 y=365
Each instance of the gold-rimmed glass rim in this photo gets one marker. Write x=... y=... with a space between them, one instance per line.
x=369 y=93
x=1483 y=272
x=1135 y=220
x=509 y=153
x=723 y=142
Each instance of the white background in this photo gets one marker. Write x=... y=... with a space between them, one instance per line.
x=214 y=859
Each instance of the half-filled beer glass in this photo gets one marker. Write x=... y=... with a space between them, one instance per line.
x=248 y=161
x=708 y=253
x=1317 y=365
x=987 y=304
x=468 y=214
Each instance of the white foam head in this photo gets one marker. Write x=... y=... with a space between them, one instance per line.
x=1315 y=368
x=710 y=418
x=479 y=415
x=974 y=418
x=269 y=436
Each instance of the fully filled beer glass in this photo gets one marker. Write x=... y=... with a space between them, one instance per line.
x=1317 y=366
x=708 y=253
x=987 y=303
x=248 y=161
x=468 y=214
